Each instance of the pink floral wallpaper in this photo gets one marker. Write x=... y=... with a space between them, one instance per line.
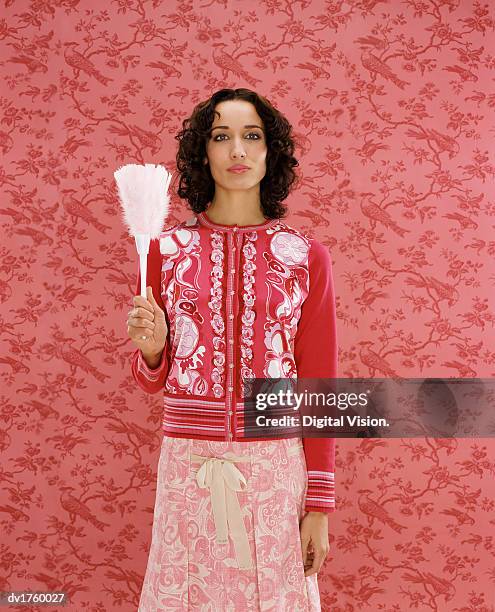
x=393 y=107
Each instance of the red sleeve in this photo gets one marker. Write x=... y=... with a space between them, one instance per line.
x=150 y=380
x=315 y=353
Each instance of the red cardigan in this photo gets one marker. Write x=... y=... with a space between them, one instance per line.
x=240 y=302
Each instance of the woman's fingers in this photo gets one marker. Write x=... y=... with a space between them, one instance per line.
x=151 y=297
x=146 y=321
x=318 y=558
x=143 y=307
x=136 y=321
x=304 y=547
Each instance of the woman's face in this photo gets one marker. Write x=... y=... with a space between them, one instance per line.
x=236 y=144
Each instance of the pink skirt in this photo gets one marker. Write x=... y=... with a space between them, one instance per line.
x=225 y=531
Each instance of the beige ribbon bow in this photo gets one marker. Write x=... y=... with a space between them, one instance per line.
x=223 y=479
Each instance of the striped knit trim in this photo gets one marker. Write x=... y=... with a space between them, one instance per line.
x=321 y=489
x=320 y=475
x=192 y=415
x=175 y=401
x=324 y=501
x=170 y=426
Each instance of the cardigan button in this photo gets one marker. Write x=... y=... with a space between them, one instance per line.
x=231 y=341
x=231 y=388
x=231 y=365
x=231 y=316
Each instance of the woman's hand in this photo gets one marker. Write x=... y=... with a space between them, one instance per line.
x=146 y=325
x=314 y=541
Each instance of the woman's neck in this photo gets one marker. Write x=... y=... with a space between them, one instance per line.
x=235 y=215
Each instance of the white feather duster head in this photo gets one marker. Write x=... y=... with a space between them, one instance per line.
x=144 y=198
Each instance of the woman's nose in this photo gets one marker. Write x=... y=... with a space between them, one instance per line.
x=238 y=149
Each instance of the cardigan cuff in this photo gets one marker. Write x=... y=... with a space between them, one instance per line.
x=149 y=379
x=152 y=374
x=320 y=495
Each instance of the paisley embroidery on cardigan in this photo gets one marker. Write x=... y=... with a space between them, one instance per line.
x=287 y=261
x=186 y=372
x=287 y=282
x=289 y=248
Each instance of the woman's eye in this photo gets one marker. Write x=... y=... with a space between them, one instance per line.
x=250 y=134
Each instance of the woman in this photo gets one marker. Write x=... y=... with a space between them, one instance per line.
x=240 y=522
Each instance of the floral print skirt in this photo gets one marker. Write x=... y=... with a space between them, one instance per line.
x=225 y=531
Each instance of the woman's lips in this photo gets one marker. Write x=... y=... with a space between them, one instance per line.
x=239 y=170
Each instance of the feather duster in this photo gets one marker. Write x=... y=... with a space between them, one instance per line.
x=144 y=198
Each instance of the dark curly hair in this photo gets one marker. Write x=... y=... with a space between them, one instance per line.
x=196 y=182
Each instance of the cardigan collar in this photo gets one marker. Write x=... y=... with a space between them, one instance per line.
x=207 y=222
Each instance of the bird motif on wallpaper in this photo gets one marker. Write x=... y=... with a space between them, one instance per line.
x=368 y=149
x=443 y=291
x=372 y=41
x=145 y=138
x=315 y=218
x=77 y=360
x=378 y=215
x=44 y=410
x=461 y=517
x=167 y=70
x=15 y=514
x=76 y=210
x=465 y=74
x=31 y=214
x=372 y=510
x=317 y=72
x=32 y=64
x=39 y=237
x=374 y=361
x=328 y=94
x=366 y=447
x=368 y=296
x=74 y=358
x=365 y=592
x=76 y=508
x=228 y=64
x=375 y=66
x=439 y=586
x=81 y=64
x=51 y=582
x=72 y=144
x=17 y=365
x=463 y=370
x=464 y=222
x=443 y=142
